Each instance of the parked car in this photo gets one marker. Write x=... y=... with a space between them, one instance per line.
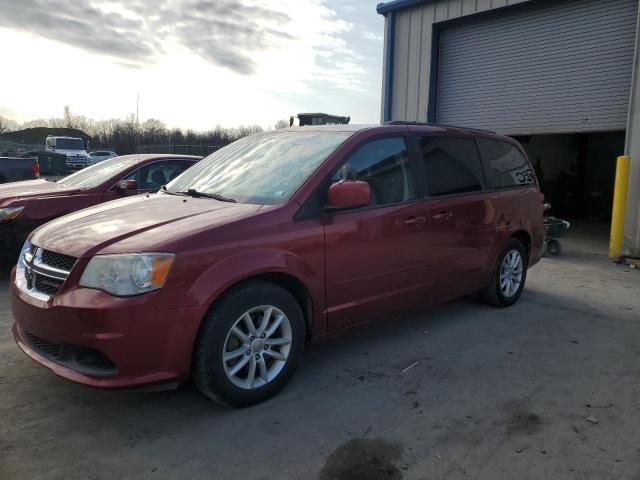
x=13 y=169
x=101 y=155
x=28 y=204
x=268 y=243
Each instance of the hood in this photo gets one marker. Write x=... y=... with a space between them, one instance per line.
x=140 y=223
x=16 y=191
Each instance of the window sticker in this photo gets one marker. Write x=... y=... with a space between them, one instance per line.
x=522 y=176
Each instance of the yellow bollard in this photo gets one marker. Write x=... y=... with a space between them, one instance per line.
x=619 y=205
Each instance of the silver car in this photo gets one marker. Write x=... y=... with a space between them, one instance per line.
x=101 y=155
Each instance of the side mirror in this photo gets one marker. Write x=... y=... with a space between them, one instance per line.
x=127 y=185
x=349 y=194
x=546 y=206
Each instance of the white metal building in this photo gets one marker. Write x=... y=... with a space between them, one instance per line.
x=559 y=75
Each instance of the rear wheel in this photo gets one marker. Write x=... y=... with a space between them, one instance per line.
x=554 y=247
x=249 y=344
x=509 y=275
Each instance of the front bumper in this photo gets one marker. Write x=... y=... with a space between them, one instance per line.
x=77 y=165
x=79 y=162
x=105 y=341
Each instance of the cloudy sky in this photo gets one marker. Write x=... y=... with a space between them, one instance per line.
x=196 y=63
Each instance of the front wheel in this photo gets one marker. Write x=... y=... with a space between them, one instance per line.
x=509 y=275
x=249 y=344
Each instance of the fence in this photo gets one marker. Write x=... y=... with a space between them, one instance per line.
x=202 y=150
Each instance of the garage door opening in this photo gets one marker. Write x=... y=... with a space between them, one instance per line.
x=577 y=173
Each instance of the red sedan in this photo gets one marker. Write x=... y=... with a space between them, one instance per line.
x=28 y=204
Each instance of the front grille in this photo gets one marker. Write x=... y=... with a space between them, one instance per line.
x=58 y=260
x=44 y=271
x=76 y=357
x=46 y=285
x=42 y=346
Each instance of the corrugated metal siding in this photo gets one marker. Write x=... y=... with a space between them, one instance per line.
x=412 y=51
x=550 y=67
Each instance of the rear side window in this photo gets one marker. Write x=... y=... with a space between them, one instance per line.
x=384 y=164
x=504 y=164
x=452 y=165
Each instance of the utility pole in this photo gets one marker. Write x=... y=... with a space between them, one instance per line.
x=137 y=124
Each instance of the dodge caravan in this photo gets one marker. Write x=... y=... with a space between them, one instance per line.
x=280 y=238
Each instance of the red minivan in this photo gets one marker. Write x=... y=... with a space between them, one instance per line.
x=270 y=242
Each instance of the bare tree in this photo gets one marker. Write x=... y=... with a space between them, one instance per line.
x=281 y=124
x=55 y=122
x=38 y=122
x=7 y=125
x=243 y=131
x=124 y=135
x=153 y=131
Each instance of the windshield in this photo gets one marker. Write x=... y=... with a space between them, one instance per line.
x=69 y=144
x=96 y=174
x=262 y=169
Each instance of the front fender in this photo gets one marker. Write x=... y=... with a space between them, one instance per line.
x=220 y=276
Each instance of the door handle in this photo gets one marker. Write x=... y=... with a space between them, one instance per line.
x=443 y=216
x=413 y=221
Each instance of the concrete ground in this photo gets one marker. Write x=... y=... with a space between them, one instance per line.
x=547 y=389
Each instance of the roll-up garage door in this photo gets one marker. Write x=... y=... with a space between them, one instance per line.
x=540 y=67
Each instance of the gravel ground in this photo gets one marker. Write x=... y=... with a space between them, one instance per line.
x=546 y=389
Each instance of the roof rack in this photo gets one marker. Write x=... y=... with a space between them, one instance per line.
x=427 y=124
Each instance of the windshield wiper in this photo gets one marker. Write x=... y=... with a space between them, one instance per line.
x=164 y=189
x=192 y=192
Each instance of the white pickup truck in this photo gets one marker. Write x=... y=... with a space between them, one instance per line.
x=73 y=148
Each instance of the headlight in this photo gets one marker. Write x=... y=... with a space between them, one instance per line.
x=127 y=274
x=10 y=213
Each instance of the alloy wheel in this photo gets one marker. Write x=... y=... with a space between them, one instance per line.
x=511 y=273
x=257 y=347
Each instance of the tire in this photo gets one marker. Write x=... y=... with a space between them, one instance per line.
x=215 y=377
x=494 y=294
x=554 y=247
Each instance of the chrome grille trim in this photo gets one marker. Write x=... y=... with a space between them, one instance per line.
x=37 y=278
x=48 y=271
